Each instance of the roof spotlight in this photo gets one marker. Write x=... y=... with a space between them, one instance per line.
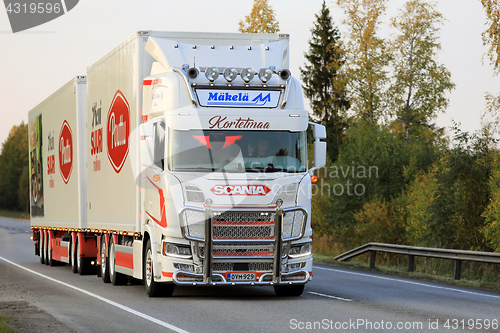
x=265 y=74
x=247 y=74
x=212 y=73
x=285 y=74
x=230 y=74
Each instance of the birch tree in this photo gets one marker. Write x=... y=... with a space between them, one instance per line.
x=260 y=20
x=419 y=85
x=367 y=57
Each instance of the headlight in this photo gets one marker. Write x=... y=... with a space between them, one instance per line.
x=300 y=250
x=177 y=250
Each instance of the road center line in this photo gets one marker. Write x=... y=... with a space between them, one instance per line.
x=408 y=282
x=123 y=307
x=330 y=296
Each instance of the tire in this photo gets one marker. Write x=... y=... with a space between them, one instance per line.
x=104 y=261
x=72 y=258
x=289 y=290
x=153 y=288
x=37 y=246
x=41 y=248
x=50 y=261
x=115 y=277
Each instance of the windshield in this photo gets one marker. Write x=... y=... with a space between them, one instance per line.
x=237 y=151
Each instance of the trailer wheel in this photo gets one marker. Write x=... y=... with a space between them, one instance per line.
x=104 y=261
x=51 y=262
x=115 y=277
x=154 y=289
x=289 y=290
x=72 y=258
x=37 y=244
x=41 y=244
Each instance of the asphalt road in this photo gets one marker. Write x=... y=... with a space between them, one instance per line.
x=336 y=300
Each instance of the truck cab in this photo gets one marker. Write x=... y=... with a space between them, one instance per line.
x=226 y=187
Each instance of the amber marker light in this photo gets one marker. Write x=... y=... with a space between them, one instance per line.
x=314 y=179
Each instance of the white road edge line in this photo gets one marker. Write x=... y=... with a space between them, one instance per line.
x=408 y=282
x=330 y=296
x=123 y=307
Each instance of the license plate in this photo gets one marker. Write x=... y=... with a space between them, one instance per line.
x=246 y=276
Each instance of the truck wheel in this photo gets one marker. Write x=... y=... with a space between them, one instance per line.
x=289 y=290
x=42 y=250
x=115 y=277
x=104 y=261
x=82 y=264
x=154 y=289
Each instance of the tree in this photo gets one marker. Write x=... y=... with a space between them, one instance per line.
x=324 y=84
x=13 y=160
x=261 y=19
x=367 y=57
x=462 y=194
x=419 y=84
x=491 y=38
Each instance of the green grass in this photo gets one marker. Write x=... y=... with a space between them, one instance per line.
x=14 y=215
x=4 y=324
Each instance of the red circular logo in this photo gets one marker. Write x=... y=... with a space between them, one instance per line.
x=118 y=130
x=65 y=151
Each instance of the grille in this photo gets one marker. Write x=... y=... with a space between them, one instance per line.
x=243 y=249
x=193 y=194
x=239 y=250
x=243 y=231
x=231 y=225
x=243 y=217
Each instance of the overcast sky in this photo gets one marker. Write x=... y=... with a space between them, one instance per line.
x=37 y=62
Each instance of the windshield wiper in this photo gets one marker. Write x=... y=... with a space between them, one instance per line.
x=195 y=169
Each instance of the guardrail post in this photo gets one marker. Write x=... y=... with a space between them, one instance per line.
x=411 y=263
x=458 y=269
x=373 y=256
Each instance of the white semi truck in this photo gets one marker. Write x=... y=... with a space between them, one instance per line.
x=179 y=159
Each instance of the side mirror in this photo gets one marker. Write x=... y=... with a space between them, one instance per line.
x=147 y=145
x=319 y=132
x=319 y=154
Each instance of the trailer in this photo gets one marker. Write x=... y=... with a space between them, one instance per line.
x=179 y=159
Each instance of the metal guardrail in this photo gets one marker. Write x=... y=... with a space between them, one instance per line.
x=412 y=251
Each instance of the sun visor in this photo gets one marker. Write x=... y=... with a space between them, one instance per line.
x=170 y=54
